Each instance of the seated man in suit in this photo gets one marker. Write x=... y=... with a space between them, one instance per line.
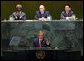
x=42 y=14
x=18 y=15
x=67 y=13
x=40 y=41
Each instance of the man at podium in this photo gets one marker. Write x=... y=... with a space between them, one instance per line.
x=42 y=14
x=40 y=41
x=18 y=15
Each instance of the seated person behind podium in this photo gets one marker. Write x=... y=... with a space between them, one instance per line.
x=67 y=13
x=40 y=41
x=18 y=15
x=42 y=14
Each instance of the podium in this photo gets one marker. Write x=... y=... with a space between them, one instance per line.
x=41 y=53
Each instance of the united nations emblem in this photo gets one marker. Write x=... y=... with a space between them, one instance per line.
x=40 y=54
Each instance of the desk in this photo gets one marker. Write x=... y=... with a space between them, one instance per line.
x=42 y=53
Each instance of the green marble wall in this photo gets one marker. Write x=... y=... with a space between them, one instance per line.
x=67 y=34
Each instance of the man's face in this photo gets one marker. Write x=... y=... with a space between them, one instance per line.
x=18 y=7
x=42 y=8
x=67 y=8
x=40 y=36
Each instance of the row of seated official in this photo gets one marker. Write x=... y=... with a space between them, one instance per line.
x=41 y=14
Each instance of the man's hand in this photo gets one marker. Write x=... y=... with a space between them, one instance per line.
x=72 y=17
x=67 y=18
x=43 y=19
x=47 y=42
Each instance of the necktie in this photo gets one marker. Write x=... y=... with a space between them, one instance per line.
x=40 y=44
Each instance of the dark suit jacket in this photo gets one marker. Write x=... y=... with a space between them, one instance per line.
x=22 y=16
x=39 y=15
x=36 y=42
x=64 y=14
